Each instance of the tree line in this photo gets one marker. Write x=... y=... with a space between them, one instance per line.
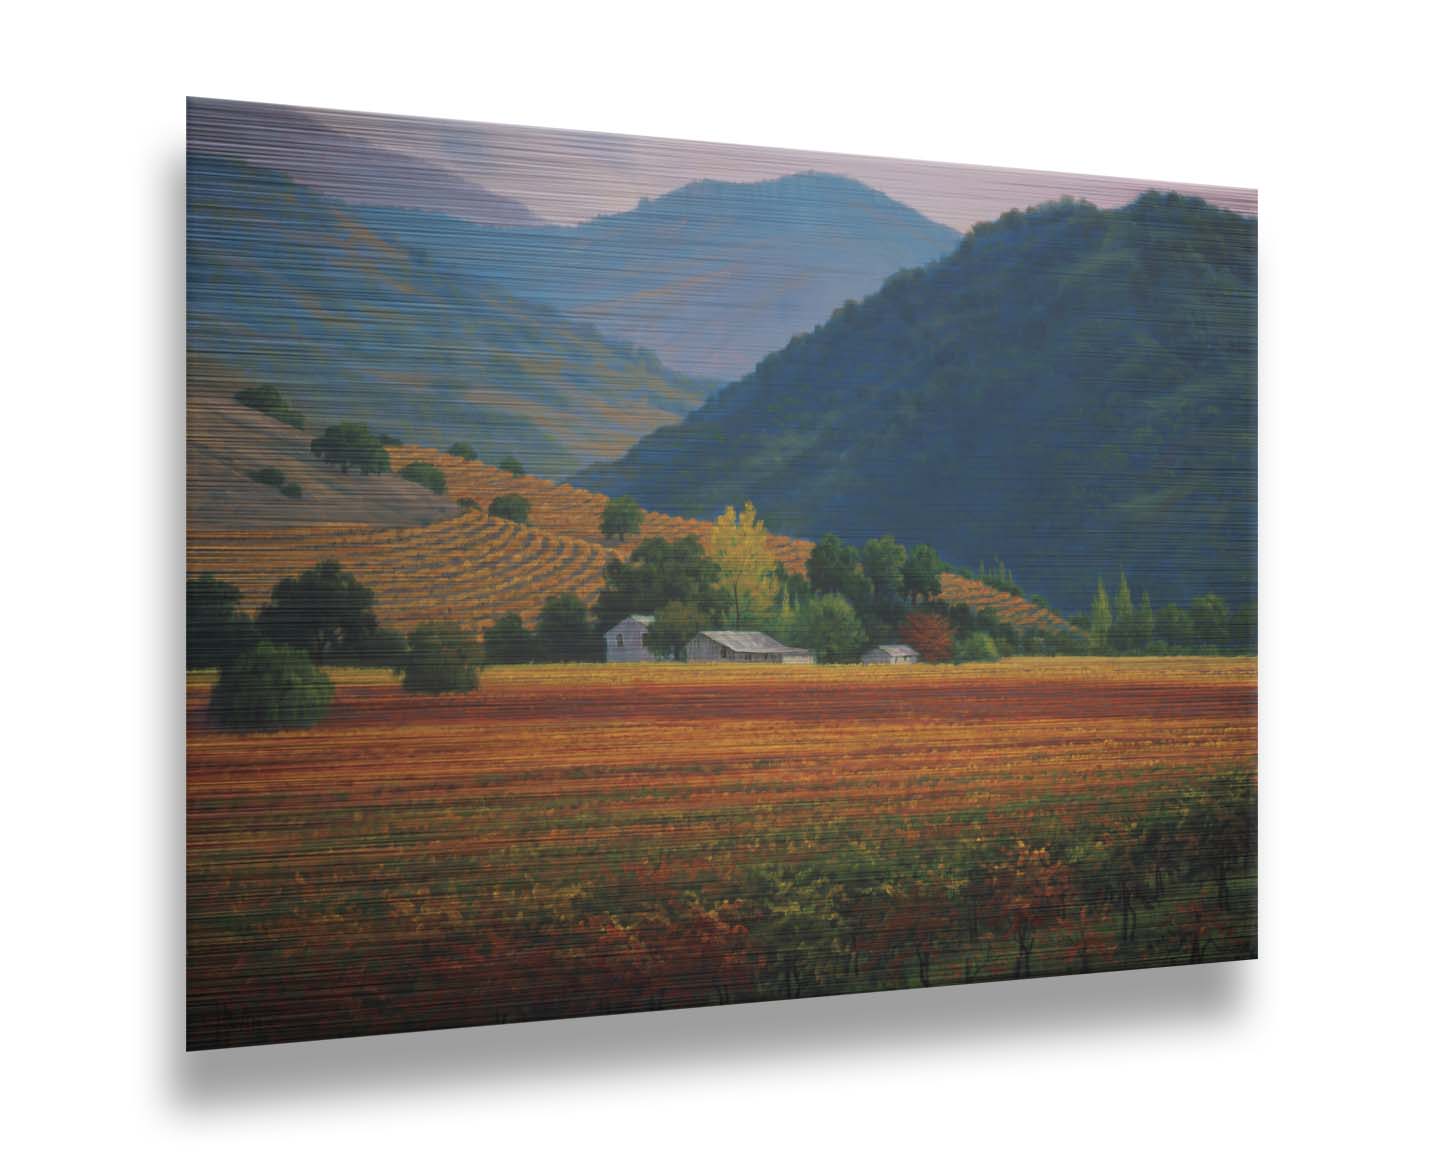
x=1207 y=626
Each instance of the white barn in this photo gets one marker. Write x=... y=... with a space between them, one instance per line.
x=891 y=654
x=744 y=648
x=625 y=643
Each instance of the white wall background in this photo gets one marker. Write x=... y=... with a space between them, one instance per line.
x=1328 y=110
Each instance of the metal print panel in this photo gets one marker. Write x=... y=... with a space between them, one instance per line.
x=629 y=574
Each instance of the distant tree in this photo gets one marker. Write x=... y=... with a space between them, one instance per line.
x=271 y=477
x=383 y=648
x=1100 y=618
x=675 y=625
x=325 y=610
x=426 y=475
x=511 y=506
x=1244 y=632
x=512 y=465
x=291 y=490
x=738 y=545
x=834 y=566
x=390 y=441
x=564 y=633
x=463 y=450
x=829 y=627
x=1173 y=627
x=929 y=634
x=883 y=562
x=443 y=658
x=270 y=400
x=270 y=687
x=1144 y=628
x=468 y=502
x=351 y=446
x=657 y=573
x=920 y=574
x=978 y=647
x=622 y=516
x=216 y=631
x=1210 y=619
x=508 y=641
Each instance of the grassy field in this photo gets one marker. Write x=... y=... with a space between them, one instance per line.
x=595 y=838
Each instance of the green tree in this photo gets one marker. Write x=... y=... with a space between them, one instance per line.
x=508 y=641
x=1210 y=619
x=426 y=475
x=1100 y=618
x=1174 y=628
x=834 y=567
x=564 y=633
x=216 y=631
x=511 y=506
x=463 y=450
x=920 y=574
x=271 y=686
x=675 y=625
x=270 y=400
x=1244 y=630
x=738 y=545
x=325 y=610
x=271 y=477
x=978 y=647
x=657 y=573
x=883 y=562
x=443 y=658
x=512 y=465
x=350 y=446
x=622 y=516
x=1144 y=623
x=829 y=627
x=1122 y=627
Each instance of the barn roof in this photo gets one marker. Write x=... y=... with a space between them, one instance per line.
x=636 y=616
x=896 y=650
x=749 y=642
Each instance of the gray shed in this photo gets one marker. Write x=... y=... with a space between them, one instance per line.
x=625 y=643
x=891 y=654
x=744 y=648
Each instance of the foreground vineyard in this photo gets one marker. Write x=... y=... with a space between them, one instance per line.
x=597 y=838
x=473 y=568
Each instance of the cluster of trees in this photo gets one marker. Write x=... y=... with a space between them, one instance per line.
x=271 y=664
x=270 y=400
x=1120 y=627
x=274 y=478
x=351 y=445
x=847 y=600
x=426 y=475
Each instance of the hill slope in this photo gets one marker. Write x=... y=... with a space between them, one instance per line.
x=473 y=568
x=711 y=276
x=1073 y=390
x=225 y=442
x=288 y=287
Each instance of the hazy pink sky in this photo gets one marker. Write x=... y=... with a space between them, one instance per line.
x=568 y=177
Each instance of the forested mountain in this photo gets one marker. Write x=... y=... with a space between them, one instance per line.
x=711 y=276
x=1072 y=390
x=288 y=287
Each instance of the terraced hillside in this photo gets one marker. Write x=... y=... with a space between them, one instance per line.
x=474 y=568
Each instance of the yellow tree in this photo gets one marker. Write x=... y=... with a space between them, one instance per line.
x=747 y=570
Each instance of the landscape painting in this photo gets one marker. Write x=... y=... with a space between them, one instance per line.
x=630 y=574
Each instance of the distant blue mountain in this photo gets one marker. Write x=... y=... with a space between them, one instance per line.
x=290 y=287
x=1072 y=391
x=712 y=276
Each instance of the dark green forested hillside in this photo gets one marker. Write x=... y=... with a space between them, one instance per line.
x=1073 y=390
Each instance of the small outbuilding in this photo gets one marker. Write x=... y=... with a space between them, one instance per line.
x=744 y=648
x=625 y=643
x=891 y=654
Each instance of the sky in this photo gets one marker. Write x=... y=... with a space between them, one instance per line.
x=566 y=177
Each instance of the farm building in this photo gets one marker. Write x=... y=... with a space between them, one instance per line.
x=744 y=647
x=625 y=643
x=891 y=654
